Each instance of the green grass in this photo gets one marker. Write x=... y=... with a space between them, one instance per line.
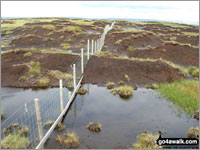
x=44 y=81
x=15 y=141
x=23 y=78
x=35 y=64
x=131 y=48
x=75 y=29
x=27 y=54
x=34 y=71
x=65 y=45
x=110 y=85
x=60 y=75
x=104 y=53
x=146 y=141
x=184 y=94
x=49 y=26
x=194 y=71
x=69 y=139
x=125 y=91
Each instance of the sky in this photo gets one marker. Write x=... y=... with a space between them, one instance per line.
x=185 y=11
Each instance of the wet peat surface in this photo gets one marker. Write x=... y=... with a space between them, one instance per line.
x=101 y=70
x=122 y=120
x=15 y=65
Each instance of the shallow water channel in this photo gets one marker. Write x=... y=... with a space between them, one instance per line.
x=122 y=120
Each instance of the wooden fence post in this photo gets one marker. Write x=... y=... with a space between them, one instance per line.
x=82 y=63
x=92 y=47
x=61 y=95
x=37 y=110
x=74 y=75
x=88 y=50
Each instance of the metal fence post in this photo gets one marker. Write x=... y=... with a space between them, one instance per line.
x=88 y=50
x=74 y=75
x=37 y=110
x=82 y=63
x=61 y=95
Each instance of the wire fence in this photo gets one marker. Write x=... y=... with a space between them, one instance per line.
x=29 y=124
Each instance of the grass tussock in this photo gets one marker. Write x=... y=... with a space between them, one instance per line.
x=184 y=93
x=48 y=124
x=35 y=64
x=193 y=133
x=34 y=71
x=110 y=85
x=22 y=78
x=82 y=91
x=49 y=26
x=123 y=91
x=70 y=86
x=146 y=141
x=70 y=140
x=131 y=48
x=105 y=53
x=65 y=45
x=60 y=126
x=127 y=78
x=60 y=75
x=15 y=141
x=44 y=81
x=194 y=71
x=94 y=127
x=27 y=54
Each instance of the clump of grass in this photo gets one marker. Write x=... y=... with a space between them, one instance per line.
x=22 y=78
x=70 y=86
x=118 y=42
x=60 y=126
x=125 y=91
x=184 y=93
x=82 y=91
x=44 y=81
x=194 y=71
x=34 y=71
x=68 y=40
x=121 y=83
x=193 y=133
x=27 y=54
x=104 y=53
x=131 y=48
x=110 y=85
x=35 y=64
x=60 y=75
x=65 y=45
x=15 y=141
x=155 y=86
x=49 y=26
x=95 y=127
x=127 y=77
x=23 y=131
x=75 y=30
x=149 y=47
x=196 y=115
x=146 y=141
x=114 y=91
x=69 y=139
x=48 y=124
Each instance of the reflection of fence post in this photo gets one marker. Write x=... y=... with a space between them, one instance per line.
x=88 y=50
x=37 y=110
x=92 y=46
x=82 y=60
x=69 y=94
x=74 y=75
x=61 y=95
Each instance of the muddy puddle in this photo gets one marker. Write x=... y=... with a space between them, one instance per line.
x=121 y=120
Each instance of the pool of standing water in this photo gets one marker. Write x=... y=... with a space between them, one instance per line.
x=122 y=120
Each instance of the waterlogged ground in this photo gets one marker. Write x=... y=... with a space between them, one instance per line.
x=122 y=120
